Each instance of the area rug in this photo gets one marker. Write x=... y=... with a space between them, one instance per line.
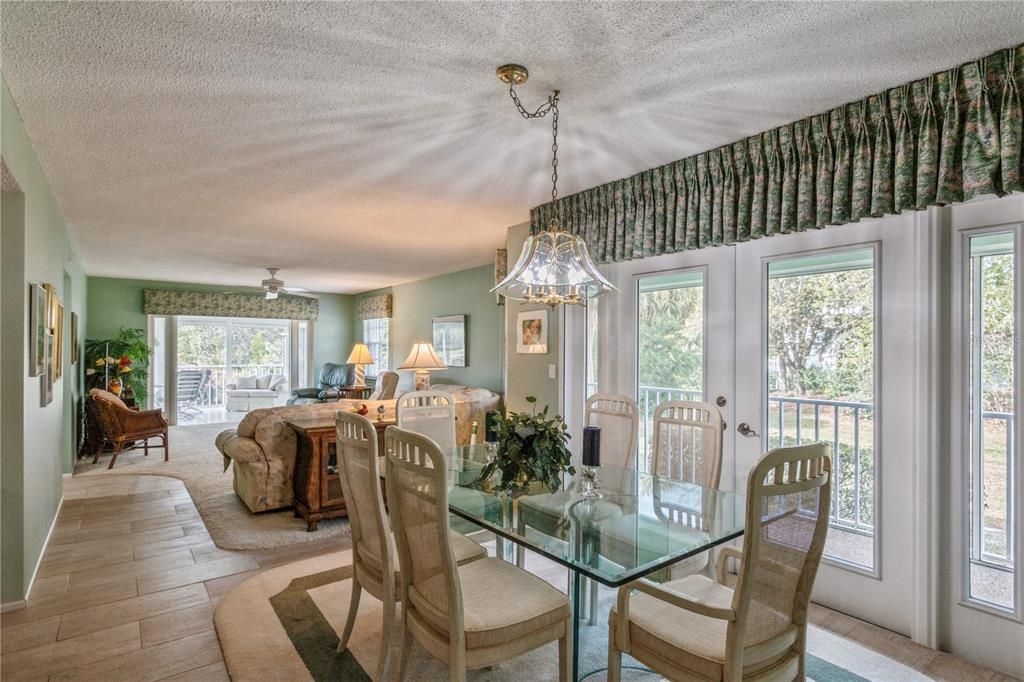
x=284 y=624
x=194 y=459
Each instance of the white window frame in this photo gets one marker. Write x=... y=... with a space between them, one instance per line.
x=380 y=351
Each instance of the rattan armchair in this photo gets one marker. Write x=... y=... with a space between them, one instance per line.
x=123 y=427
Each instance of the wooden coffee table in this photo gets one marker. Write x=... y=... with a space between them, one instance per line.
x=316 y=484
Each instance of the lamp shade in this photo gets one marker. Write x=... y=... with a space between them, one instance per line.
x=360 y=355
x=423 y=356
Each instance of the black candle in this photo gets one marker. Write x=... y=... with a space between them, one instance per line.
x=591 y=446
x=491 y=427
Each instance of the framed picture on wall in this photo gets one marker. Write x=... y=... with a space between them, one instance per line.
x=58 y=344
x=37 y=330
x=532 y=332
x=450 y=340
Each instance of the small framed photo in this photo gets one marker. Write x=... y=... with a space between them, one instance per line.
x=532 y=332
x=37 y=330
x=450 y=340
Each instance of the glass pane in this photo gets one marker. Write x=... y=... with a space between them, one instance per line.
x=991 y=528
x=258 y=350
x=202 y=353
x=376 y=333
x=670 y=346
x=303 y=363
x=158 y=364
x=593 y=357
x=821 y=377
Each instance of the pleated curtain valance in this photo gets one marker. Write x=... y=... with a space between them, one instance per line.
x=374 y=307
x=166 y=302
x=947 y=138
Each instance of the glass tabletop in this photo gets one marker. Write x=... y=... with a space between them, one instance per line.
x=640 y=524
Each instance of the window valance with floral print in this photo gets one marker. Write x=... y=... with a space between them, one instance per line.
x=947 y=138
x=169 y=302
x=374 y=307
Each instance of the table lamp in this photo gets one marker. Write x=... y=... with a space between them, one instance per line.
x=360 y=357
x=423 y=358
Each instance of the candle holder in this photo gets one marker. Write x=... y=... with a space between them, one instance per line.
x=591 y=484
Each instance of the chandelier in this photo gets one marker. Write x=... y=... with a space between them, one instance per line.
x=555 y=266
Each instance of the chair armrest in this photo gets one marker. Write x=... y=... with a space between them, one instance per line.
x=329 y=394
x=134 y=422
x=672 y=597
x=724 y=554
x=306 y=392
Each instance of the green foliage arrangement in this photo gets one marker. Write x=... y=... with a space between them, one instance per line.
x=531 y=447
x=127 y=358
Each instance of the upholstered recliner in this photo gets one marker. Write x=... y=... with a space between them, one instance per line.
x=331 y=378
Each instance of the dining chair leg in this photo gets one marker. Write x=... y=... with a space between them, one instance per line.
x=389 y=626
x=404 y=648
x=167 y=446
x=350 y=621
x=564 y=660
x=145 y=447
x=117 y=451
x=614 y=660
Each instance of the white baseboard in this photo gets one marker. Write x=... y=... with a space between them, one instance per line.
x=12 y=606
x=66 y=476
x=42 y=552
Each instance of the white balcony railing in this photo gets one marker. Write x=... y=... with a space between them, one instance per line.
x=221 y=375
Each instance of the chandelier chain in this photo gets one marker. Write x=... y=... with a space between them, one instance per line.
x=551 y=106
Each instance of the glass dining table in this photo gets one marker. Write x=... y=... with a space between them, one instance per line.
x=640 y=525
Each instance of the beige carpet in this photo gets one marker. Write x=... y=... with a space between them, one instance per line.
x=196 y=461
x=284 y=624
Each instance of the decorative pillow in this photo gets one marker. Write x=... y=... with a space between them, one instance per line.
x=263 y=382
x=246 y=382
x=275 y=381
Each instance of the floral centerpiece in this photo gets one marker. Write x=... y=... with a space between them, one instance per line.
x=119 y=363
x=531 y=447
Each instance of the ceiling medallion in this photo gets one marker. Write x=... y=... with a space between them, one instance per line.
x=555 y=266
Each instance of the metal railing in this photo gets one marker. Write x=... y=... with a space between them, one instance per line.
x=993 y=545
x=213 y=394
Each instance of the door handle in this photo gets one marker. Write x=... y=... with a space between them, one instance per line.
x=745 y=430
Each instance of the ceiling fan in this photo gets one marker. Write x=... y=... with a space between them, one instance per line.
x=273 y=286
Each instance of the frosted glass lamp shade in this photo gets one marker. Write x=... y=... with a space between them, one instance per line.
x=423 y=358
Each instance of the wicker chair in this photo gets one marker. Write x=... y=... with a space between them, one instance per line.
x=471 y=616
x=374 y=564
x=696 y=628
x=123 y=427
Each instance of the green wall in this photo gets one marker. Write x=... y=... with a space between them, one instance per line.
x=114 y=303
x=467 y=293
x=35 y=449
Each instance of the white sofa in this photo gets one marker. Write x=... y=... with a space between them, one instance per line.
x=250 y=393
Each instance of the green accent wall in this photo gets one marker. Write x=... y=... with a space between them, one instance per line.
x=114 y=303
x=466 y=292
x=35 y=447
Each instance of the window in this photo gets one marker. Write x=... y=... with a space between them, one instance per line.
x=376 y=336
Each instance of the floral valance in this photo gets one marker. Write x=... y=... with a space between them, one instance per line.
x=165 y=302
x=947 y=138
x=374 y=307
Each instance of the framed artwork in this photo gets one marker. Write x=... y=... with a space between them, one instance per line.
x=74 y=338
x=51 y=306
x=46 y=380
x=37 y=330
x=58 y=344
x=450 y=340
x=532 y=332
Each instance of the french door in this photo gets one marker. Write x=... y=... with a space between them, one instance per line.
x=825 y=351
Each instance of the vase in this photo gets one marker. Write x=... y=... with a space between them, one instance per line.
x=115 y=386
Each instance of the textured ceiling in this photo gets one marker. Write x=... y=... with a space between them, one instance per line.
x=356 y=145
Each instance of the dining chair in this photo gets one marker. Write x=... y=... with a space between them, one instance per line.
x=687 y=447
x=471 y=616
x=698 y=628
x=373 y=547
x=619 y=420
x=431 y=413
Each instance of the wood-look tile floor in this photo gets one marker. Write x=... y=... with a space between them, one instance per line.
x=128 y=583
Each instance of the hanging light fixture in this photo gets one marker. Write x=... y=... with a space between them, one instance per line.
x=555 y=266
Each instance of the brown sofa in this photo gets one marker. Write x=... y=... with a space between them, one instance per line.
x=262 y=446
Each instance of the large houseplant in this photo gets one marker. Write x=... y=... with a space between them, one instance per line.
x=124 y=357
x=531 y=447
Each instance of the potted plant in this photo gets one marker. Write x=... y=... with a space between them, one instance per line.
x=531 y=447
x=122 y=361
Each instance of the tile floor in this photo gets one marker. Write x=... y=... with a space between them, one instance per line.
x=127 y=587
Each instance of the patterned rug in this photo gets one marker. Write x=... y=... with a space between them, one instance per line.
x=284 y=625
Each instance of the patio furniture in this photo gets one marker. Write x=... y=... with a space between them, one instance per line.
x=123 y=427
x=191 y=384
x=331 y=378
x=250 y=393
x=697 y=628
